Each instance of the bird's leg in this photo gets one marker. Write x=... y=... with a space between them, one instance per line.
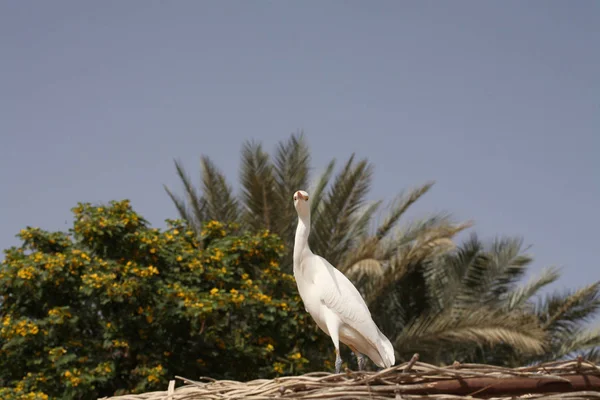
x=338 y=361
x=361 y=361
x=333 y=328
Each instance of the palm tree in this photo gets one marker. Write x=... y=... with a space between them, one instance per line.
x=426 y=294
x=469 y=303
x=341 y=215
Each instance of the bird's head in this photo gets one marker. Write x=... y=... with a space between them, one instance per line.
x=301 y=203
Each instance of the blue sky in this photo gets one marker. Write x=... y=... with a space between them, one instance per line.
x=496 y=101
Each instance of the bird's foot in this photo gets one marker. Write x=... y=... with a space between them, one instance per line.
x=338 y=362
x=361 y=362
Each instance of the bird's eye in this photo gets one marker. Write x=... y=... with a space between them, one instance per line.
x=295 y=198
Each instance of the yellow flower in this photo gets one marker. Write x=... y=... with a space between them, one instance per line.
x=214 y=291
x=72 y=377
x=179 y=258
x=264 y=298
x=54 y=312
x=278 y=367
x=175 y=232
x=217 y=256
x=22 y=328
x=120 y=343
x=152 y=270
x=153 y=250
x=236 y=297
x=270 y=347
x=296 y=356
x=25 y=273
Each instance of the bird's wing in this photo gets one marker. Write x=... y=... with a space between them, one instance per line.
x=340 y=295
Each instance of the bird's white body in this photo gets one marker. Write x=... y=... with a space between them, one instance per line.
x=335 y=304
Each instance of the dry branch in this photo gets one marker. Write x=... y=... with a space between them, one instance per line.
x=564 y=380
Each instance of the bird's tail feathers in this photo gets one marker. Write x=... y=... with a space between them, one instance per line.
x=386 y=350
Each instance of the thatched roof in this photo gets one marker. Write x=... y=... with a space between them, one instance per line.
x=576 y=379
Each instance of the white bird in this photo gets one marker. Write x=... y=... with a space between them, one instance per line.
x=332 y=300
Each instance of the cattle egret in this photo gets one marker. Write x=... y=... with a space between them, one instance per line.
x=332 y=300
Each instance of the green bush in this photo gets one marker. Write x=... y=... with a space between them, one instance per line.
x=114 y=306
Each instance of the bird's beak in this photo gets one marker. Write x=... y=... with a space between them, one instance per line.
x=300 y=196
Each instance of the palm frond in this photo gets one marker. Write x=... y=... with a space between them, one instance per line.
x=357 y=235
x=316 y=192
x=392 y=312
x=221 y=204
x=519 y=296
x=465 y=263
x=345 y=197
x=577 y=341
x=257 y=187
x=352 y=262
x=414 y=255
x=369 y=268
x=475 y=269
x=417 y=230
x=195 y=203
x=291 y=169
x=362 y=217
x=441 y=285
x=563 y=312
x=437 y=239
x=477 y=327
x=412 y=230
x=508 y=264
x=179 y=205
x=402 y=203
x=593 y=355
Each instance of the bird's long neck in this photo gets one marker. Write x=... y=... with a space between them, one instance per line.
x=301 y=241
